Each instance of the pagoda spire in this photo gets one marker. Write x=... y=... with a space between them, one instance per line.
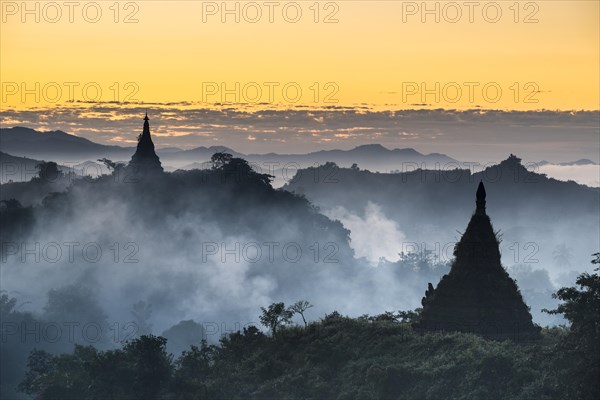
x=480 y=202
x=146 y=130
x=145 y=159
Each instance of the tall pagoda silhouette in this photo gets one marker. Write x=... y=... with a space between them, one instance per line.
x=477 y=295
x=145 y=161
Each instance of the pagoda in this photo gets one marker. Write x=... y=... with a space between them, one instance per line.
x=477 y=295
x=145 y=161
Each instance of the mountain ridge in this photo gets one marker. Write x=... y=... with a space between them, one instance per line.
x=26 y=142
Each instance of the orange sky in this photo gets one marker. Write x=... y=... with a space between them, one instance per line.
x=378 y=53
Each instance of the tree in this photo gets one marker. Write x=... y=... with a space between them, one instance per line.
x=238 y=170
x=63 y=376
x=40 y=375
x=111 y=165
x=408 y=316
x=75 y=304
x=581 y=306
x=48 y=171
x=220 y=159
x=192 y=368
x=11 y=204
x=386 y=316
x=582 y=346
x=148 y=357
x=275 y=316
x=7 y=304
x=300 y=307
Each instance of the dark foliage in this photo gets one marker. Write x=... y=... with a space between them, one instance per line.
x=336 y=358
x=377 y=357
x=580 y=350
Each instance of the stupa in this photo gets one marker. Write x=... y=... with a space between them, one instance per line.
x=477 y=295
x=145 y=161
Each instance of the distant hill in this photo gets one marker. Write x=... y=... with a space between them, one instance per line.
x=508 y=183
x=195 y=155
x=62 y=147
x=56 y=146
x=371 y=156
x=431 y=206
x=16 y=169
x=70 y=150
x=583 y=161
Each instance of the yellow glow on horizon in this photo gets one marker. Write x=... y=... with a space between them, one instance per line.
x=370 y=56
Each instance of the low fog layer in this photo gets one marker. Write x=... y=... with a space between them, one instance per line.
x=584 y=174
x=196 y=254
x=209 y=247
x=544 y=223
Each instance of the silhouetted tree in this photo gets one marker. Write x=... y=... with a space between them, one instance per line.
x=275 y=316
x=220 y=159
x=386 y=316
x=374 y=357
x=300 y=307
x=111 y=165
x=238 y=170
x=75 y=304
x=151 y=363
x=7 y=303
x=11 y=204
x=192 y=369
x=140 y=370
x=48 y=171
x=409 y=316
x=582 y=347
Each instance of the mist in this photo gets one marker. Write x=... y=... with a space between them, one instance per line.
x=194 y=255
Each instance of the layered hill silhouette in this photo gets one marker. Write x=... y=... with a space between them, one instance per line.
x=512 y=186
x=54 y=145
x=16 y=169
x=64 y=148
x=58 y=145
x=331 y=184
x=581 y=161
x=175 y=218
x=529 y=208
